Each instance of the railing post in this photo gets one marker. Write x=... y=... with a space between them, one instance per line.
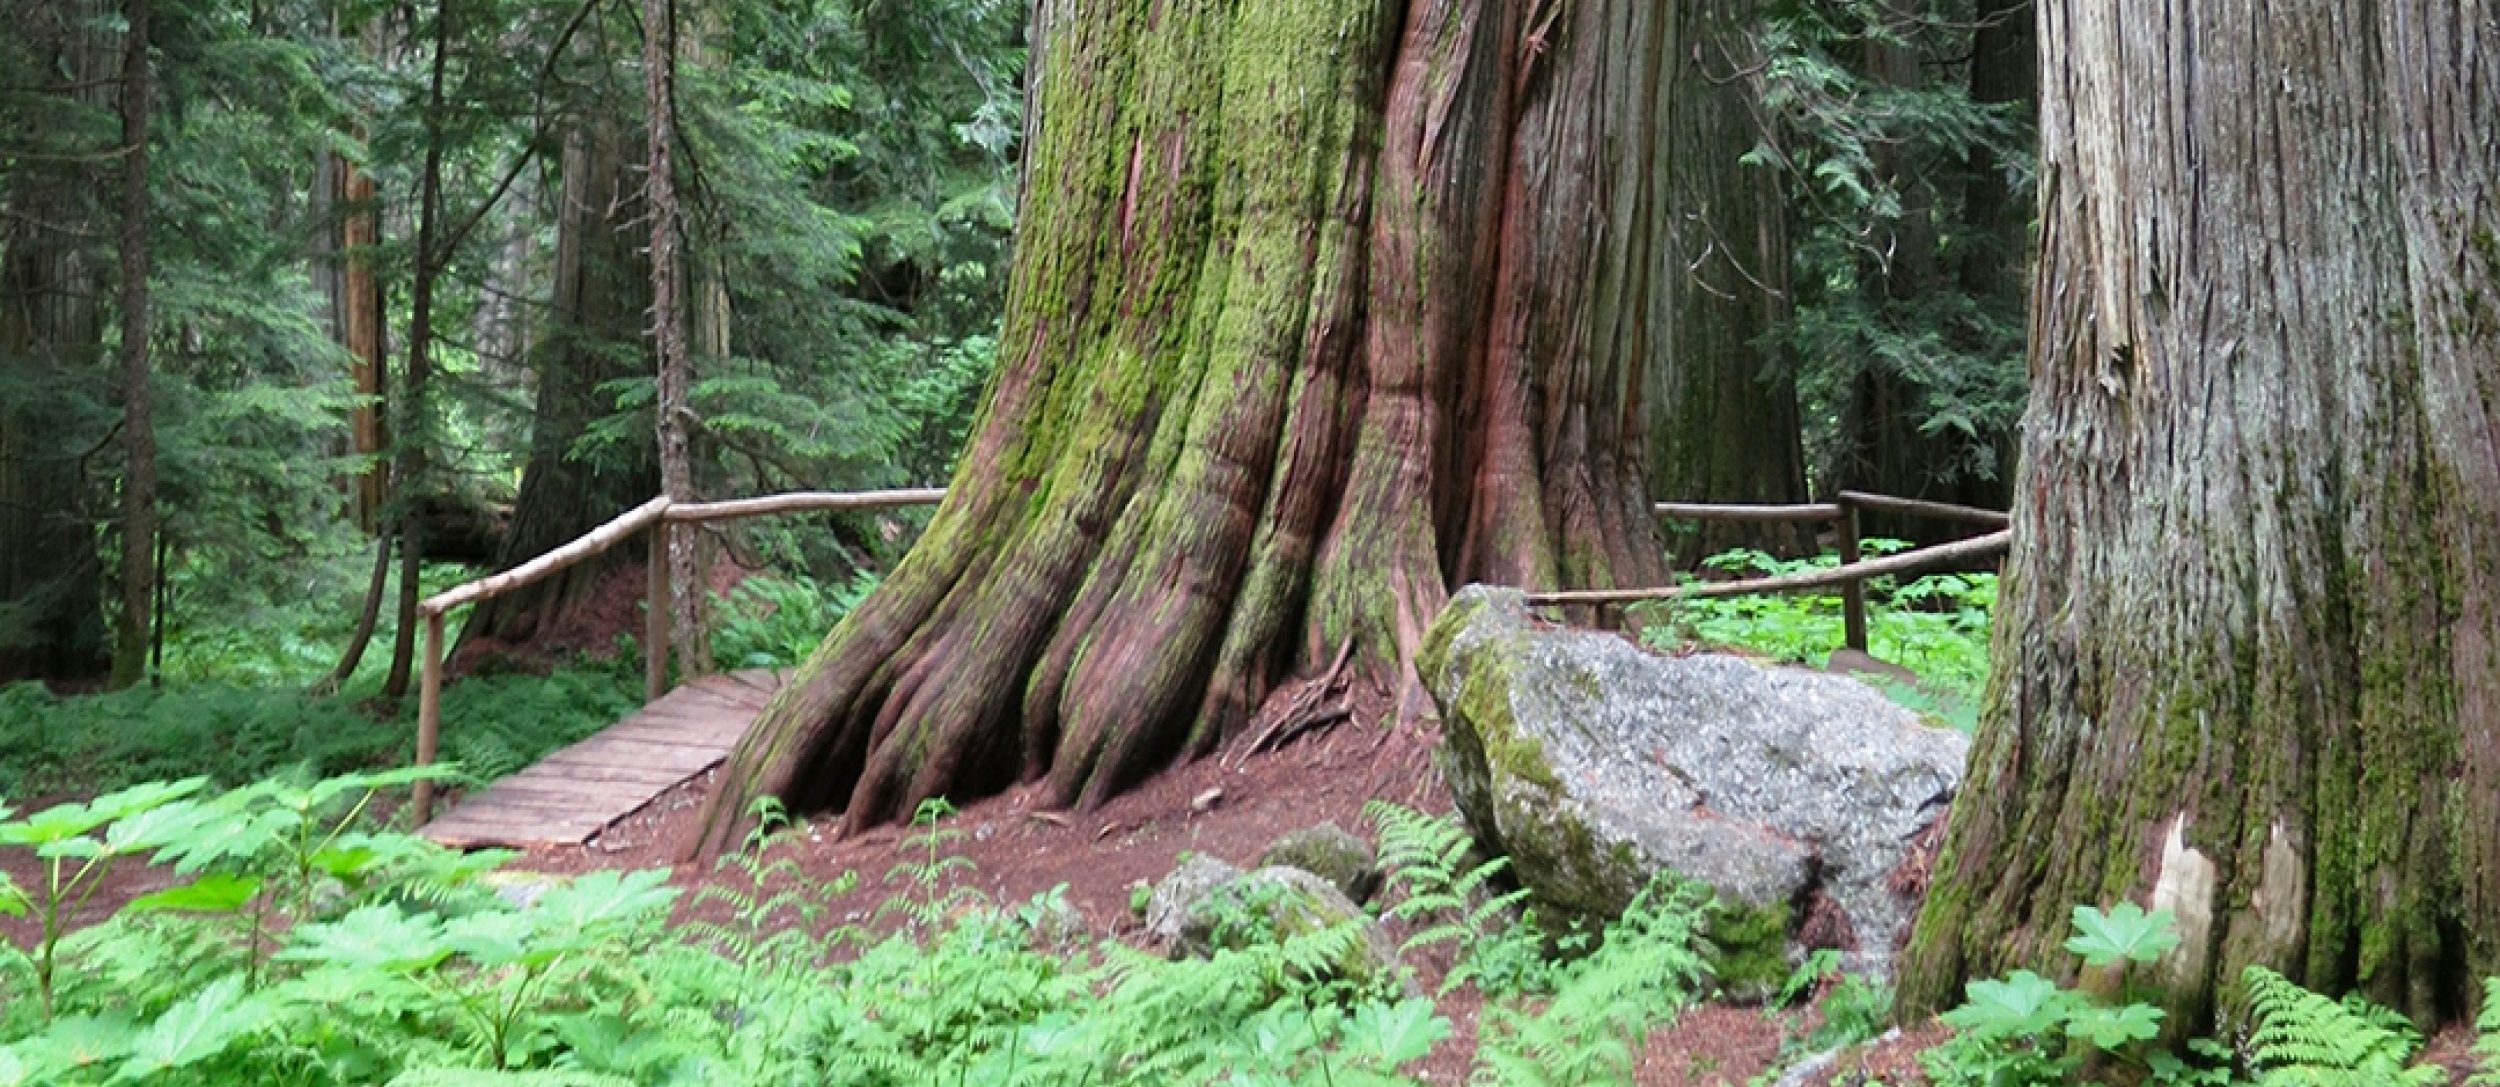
x=655 y=618
x=429 y=717
x=1852 y=592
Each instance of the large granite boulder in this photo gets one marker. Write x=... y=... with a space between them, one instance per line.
x=1594 y=764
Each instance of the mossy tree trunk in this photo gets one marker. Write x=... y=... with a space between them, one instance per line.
x=2248 y=660
x=1724 y=425
x=1319 y=307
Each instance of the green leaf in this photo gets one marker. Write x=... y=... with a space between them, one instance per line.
x=195 y=1029
x=2124 y=932
x=75 y=1042
x=217 y=893
x=2113 y=1028
x=498 y=938
x=2024 y=1003
x=12 y=1070
x=378 y=938
x=604 y=900
x=1394 y=1034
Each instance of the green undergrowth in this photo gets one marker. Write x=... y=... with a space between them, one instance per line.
x=493 y=725
x=295 y=944
x=776 y=620
x=285 y=939
x=1937 y=626
x=2024 y=1030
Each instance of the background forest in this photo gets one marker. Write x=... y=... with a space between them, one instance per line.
x=329 y=361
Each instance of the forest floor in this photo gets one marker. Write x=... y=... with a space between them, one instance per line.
x=1231 y=810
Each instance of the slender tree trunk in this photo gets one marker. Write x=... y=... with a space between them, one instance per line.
x=593 y=337
x=668 y=333
x=1319 y=307
x=416 y=427
x=2248 y=660
x=361 y=329
x=130 y=650
x=1724 y=426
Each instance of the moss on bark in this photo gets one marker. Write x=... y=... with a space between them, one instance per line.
x=1315 y=313
x=2246 y=656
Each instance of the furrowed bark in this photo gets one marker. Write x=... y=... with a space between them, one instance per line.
x=1724 y=405
x=2247 y=664
x=1293 y=343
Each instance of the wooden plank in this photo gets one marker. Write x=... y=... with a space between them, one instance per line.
x=589 y=771
x=666 y=733
x=658 y=752
x=574 y=795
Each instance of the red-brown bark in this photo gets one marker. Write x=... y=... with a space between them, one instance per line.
x=1320 y=307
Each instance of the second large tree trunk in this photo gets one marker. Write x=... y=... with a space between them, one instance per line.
x=1319 y=308
x=2248 y=661
x=602 y=288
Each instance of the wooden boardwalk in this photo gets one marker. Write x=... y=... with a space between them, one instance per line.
x=571 y=795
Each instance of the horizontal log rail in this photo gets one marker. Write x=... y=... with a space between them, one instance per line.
x=1915 y=507
x=1698 y=511
x=1993 y=543
x=660 y=513
x=804 y=502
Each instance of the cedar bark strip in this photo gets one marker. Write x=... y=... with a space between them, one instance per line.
x=1319 y=307
x=2248 y=660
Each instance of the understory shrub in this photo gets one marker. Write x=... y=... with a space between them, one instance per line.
x=292 y=943
x=1936 y=626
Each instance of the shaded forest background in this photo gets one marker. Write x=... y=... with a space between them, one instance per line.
x=219 y=489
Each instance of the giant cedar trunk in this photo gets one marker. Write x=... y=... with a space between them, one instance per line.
x=1724 y=425
x=2248 y=664
x=602 y=288
x=1319 y=307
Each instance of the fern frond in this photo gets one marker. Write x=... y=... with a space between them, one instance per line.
x=2303 y=1039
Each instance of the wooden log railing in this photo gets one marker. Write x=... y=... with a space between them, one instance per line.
x=659 y=513
x=663 y=514
x=1852 y=573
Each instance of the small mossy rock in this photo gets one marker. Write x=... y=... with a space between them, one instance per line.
x=1593 y=764
x=1280 y=902
x=1168 y=908
x=1332 y=853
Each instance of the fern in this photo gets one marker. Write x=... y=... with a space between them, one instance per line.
x=2487 y=1036
x=1450 y=901
x=2303 y=1039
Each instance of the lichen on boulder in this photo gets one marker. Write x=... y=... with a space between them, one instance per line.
x=1593 y=764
